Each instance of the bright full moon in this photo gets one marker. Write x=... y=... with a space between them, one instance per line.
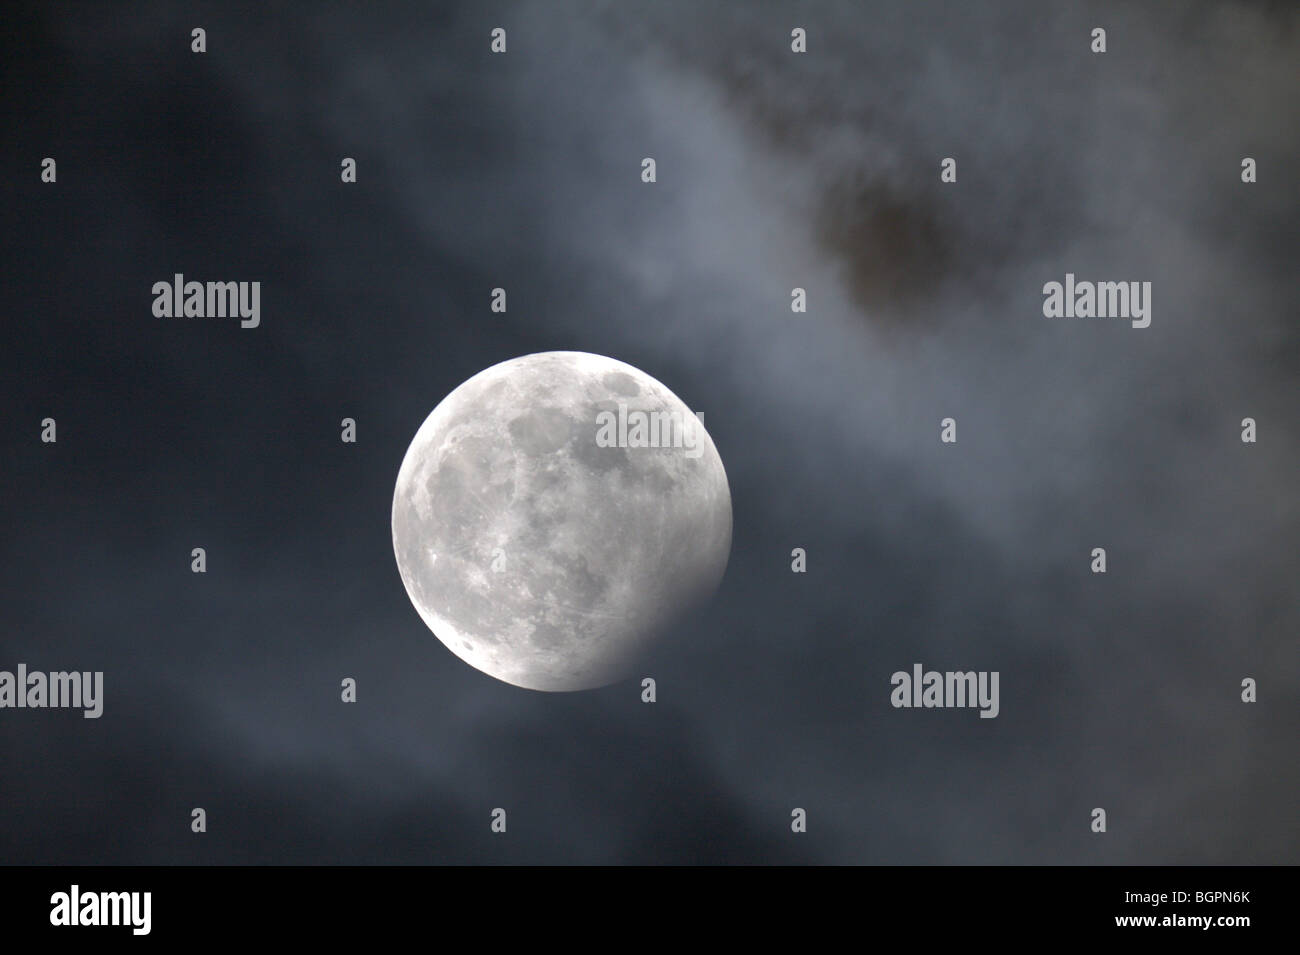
x=557 y=512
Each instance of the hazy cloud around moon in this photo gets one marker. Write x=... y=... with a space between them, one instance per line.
x=774 y=172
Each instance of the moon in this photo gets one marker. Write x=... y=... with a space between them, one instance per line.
x=544 y=537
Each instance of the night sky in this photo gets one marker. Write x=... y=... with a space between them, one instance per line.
x=775 y=170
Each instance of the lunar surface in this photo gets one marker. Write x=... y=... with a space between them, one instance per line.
x=542 y=542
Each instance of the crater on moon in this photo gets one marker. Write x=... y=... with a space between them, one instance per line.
x=536 y=554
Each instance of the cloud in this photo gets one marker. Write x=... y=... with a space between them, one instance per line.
x=775 y=171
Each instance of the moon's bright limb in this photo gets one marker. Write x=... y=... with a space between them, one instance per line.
x=533 y=549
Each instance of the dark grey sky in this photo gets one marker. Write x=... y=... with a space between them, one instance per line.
x=775 y=171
